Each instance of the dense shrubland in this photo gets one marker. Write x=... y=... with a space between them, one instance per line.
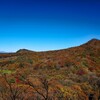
x=69 y=74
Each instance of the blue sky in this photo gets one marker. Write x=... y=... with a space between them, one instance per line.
x=47 y=24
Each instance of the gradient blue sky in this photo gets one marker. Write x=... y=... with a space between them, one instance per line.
x=47 y=24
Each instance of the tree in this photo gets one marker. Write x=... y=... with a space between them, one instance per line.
x=13 y=90
x=41 y=89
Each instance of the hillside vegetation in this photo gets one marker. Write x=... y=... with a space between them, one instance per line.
x=67 y=74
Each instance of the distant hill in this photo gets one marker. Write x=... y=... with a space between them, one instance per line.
x=3 y=52
x=23 y=51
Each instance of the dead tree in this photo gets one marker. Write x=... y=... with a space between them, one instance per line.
x=44 y=86
x=14 y=92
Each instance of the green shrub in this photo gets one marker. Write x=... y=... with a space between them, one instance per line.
x=12 y=81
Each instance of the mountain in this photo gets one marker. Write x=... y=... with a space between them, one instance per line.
x=23 y=51
x=3 y=52
x=71 y=73
x=93 y=42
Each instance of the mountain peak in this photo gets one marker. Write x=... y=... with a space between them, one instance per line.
x=94 y=40
x=23 y=51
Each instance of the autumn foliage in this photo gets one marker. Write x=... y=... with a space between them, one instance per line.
x=67 y=74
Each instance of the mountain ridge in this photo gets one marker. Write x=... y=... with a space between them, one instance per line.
x=88 y=42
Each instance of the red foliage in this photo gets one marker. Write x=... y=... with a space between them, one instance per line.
x=17 y=80
x=91 y=69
